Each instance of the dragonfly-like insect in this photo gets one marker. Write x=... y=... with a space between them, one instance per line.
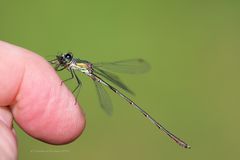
x=99 y=73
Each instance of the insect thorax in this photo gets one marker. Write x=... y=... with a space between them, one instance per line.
x=82 y=67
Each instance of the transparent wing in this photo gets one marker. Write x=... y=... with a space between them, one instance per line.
x=131 y=66
x=104 y=98
x=113 y=78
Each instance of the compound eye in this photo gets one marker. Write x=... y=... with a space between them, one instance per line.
x=68 y=56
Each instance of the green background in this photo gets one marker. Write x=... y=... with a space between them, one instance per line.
x=193 y=86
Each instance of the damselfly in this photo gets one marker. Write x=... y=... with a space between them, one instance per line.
x=98 y=70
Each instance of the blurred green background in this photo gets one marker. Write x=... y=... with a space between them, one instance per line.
x=193 y=87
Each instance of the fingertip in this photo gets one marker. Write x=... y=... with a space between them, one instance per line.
x=45 y=109
x=41 y=106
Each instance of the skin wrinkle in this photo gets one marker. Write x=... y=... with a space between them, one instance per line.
x=12 y=72
x=14 y=101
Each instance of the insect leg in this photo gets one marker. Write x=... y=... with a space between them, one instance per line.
x=79 y=83
x=72 y=76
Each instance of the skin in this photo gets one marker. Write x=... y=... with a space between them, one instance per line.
x=31 y=94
